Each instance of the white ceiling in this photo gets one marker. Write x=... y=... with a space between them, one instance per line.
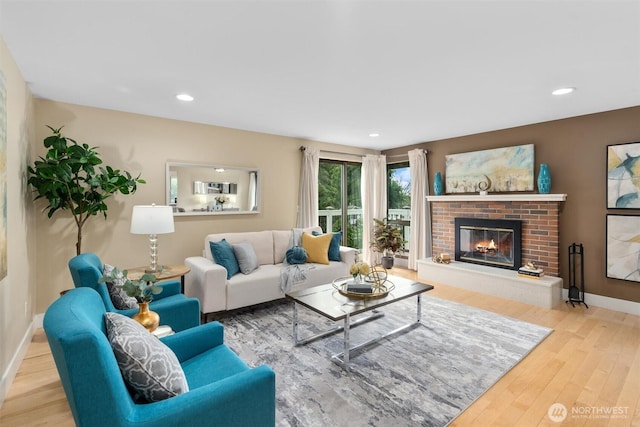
x=333 y=71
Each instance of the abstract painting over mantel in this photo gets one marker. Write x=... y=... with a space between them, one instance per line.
x=623 y=176
x=505 y=169
x=623 y=247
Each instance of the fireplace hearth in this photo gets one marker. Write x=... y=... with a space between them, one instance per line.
x=492 y=242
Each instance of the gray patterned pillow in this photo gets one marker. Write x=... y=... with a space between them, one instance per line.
x=147 y=365
x=119 y=297
x=246 y=256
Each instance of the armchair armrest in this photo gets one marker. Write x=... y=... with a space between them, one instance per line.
x=206 y=281
x=170 y=287
x=244 y=399
x=191 y=342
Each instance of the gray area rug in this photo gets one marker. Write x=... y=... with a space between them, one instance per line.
x=425 y=376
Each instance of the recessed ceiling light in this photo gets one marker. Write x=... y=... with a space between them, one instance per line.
x=563 y=91
x=184 y=97
x=374 y=135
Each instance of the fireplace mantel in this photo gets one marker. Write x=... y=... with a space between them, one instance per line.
x=491 y=197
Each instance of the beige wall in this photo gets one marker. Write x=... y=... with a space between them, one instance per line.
x=142 y=144
x=18 y=289
x=575 y=150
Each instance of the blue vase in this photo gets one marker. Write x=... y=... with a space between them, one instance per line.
x=437 y=184
x=544 y=179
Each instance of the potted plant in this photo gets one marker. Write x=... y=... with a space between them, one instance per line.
x=142 y=290
x=386 y=240
x=70 y=178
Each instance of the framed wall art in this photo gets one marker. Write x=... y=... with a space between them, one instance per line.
x=623 y=247
x=623 y=176
x=505 y=169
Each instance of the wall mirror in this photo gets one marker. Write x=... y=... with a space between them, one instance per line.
x=202 y=189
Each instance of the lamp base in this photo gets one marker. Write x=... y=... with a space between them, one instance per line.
x=158 y=269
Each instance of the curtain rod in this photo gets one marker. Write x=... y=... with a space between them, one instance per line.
x=302 y=148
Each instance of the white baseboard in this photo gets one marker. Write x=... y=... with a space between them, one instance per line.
x=10 y=374
x=609 y=303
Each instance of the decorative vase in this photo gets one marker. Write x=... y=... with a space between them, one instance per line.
x=437 y=184
x=147 y=318
x=387 y=262
x=544 y=179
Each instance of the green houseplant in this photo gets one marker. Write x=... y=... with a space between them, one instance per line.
x=387 y=240
x=70 y=177
x=142 y=290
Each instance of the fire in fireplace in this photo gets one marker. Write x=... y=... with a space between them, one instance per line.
x=493 y=242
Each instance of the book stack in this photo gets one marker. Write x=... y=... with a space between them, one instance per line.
x=530 y=273
x=361 y=288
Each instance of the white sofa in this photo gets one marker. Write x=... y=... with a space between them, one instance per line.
x=208 y=281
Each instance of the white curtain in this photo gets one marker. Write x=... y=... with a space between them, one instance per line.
x=420 y=234
x=253 y=191
x=373 y=188
x=308 y=193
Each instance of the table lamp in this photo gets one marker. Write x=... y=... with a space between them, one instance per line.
x=152 y=220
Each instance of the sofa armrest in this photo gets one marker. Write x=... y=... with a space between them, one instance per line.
x=206 y=281
x=348 y=255
x=191 y=342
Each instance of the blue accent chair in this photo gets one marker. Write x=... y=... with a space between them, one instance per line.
x=223 y=390
x=173 y=307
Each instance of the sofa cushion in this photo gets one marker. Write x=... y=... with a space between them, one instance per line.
x=223 y=255
x=119 y=297
x=262 y=242
x=317 y=247
x=334 y=247
x=246 y=256
x=147 y=365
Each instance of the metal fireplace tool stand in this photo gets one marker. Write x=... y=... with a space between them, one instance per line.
x=576 y=295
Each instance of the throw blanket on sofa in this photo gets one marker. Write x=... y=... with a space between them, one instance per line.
x=292 y=274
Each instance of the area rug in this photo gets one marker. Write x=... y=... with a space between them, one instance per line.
x=423 y=377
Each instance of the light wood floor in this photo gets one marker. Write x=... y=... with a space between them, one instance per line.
x=590 y=364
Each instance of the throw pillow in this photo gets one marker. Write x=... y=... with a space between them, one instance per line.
x=119 y=297
x=147 y=365
x=223 y=255
x=296 y=255
x=317 y=247
x=334 y=247
x=246 y=256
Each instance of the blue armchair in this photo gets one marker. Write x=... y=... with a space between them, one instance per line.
x=173 y=307
x=223 y=390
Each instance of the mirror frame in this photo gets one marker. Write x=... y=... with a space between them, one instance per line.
x=170 y=164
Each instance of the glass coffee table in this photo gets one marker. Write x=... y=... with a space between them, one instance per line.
x=327 y=301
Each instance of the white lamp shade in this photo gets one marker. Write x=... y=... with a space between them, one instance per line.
x=152 y=220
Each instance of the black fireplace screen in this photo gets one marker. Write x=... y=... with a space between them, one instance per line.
x=493 y=242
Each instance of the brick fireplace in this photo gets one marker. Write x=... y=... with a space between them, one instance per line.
x=539 y=214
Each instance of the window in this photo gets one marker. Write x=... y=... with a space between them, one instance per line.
x=339 y=203
x=399 y=198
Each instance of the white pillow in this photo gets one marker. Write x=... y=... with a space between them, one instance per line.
x=246 y=256
x=147 y=365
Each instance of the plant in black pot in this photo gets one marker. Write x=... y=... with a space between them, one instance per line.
x=387 y=240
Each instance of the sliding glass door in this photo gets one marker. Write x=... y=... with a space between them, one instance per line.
x=339 y=203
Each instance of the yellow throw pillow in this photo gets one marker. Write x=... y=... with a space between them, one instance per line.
x=317 y=247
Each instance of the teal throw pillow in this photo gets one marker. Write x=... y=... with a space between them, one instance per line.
x=296 y=255
x=223 y=255
x=334 y=246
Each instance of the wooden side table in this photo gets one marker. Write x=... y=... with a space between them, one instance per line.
x=168 y=272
